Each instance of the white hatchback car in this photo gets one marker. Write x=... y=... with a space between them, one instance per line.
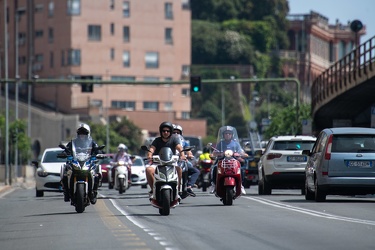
x=47 y=177
x=138 y=175
x=282 y=165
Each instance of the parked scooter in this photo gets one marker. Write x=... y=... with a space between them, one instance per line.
x=120 y=180
x=82 y=169
x=165 y=194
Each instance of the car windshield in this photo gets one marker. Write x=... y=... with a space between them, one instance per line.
x=353 y=143
x=293 y=145
x=51 y=156
x=138 y=162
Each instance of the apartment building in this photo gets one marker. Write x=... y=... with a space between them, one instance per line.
x=108 y=40
x=314 y=46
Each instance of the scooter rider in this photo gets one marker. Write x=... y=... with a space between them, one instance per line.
x=121 y=155
x=165 y=140
x=193 y=172
x=83 y=132
x=226 y=143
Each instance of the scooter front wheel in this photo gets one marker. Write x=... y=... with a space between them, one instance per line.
x=229 y=194
x=80 y=198
x=166 y=202
x=121 y=188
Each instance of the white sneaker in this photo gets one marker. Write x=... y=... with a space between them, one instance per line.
x=243 y=192
x=212 y=188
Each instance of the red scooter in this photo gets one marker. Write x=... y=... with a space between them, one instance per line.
x=228 y=180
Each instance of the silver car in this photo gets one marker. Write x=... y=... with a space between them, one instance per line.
x=342 y=162
x=48 y=172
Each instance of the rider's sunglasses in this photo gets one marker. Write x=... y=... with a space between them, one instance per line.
x=227 y=133
x=176 y=132
x=166 y=131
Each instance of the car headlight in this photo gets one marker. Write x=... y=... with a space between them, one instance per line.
x=42 y=173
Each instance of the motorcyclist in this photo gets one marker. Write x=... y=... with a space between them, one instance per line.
x=193 y=172
x=226 y=142
x=204 y=156
x=83 y=132
x=164 y=140
x=121 y=155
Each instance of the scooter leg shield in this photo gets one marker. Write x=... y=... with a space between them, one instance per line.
x=229 y=181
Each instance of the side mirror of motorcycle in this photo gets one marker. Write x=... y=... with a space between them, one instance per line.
x=209 y=144
x=100 y=156
x=62 y=155
x=62 y=146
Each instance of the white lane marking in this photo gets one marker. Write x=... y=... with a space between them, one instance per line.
x=310 y=212
x=149 y=231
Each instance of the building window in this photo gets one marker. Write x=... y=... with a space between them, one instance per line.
x=74 y=57
x=128 y=105
x=168 y=11
x=51 y=9
x=38 y=8
x=126 y=34
x=123 y=78
x=51 y=59
x=39 y=58
x=126 y=59
x=112 y=5
x=73 y=7
x=112 y=28
x=95 y=32
x=96 y=103
x=168 y=106
x=21 y=38
x=39 y=33
x=50 y=35
x=185 y=92
x=154 y=106
x=22 y=60
x=112 y=54
x=185 y=115
x=126 y=9
x=168 y=36
x=152 y=60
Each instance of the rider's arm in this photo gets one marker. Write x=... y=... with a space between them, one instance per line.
x=182 y=153
x=150 y=152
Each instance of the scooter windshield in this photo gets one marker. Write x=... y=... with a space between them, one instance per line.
x=82 y=148
x=227 y=139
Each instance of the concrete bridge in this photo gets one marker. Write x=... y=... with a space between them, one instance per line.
x=344 y=94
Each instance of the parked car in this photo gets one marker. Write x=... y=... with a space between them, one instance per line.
x=105 y=166
x=138 y=175
x=282 y=165
x=47 y=177
x=342 y=162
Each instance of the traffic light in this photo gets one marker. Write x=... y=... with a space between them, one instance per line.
x=87 y=87
x=195 y=84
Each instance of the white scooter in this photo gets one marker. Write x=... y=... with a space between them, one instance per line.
x=120 y=181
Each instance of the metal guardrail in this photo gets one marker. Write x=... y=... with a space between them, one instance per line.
x=343 y=73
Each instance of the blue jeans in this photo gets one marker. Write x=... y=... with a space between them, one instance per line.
x=193 y=173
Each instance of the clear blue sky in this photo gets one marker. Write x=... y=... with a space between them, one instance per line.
x=344 y=10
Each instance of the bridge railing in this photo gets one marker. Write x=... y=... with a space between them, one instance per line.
x=337 y=78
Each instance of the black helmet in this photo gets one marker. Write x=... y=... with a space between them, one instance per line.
x=165 y=154
x=165 y=125
x=83 y=129
x=206 y=150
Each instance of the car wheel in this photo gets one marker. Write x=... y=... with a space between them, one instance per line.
x=39 y=193
x=320 y=195
x=267 y=190
x=309 y=196
x=260 y=187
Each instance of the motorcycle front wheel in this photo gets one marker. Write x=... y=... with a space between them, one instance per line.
x=80 y=198
x=229 y=194
x=166 y=202
x=121 y=188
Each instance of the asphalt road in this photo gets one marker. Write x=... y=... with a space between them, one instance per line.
x=284 y=220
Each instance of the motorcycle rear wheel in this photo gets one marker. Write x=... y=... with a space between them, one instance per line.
x=166 y=202
x=80 y=198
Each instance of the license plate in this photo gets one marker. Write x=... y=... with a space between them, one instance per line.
x=296 y=158
x=359 y=164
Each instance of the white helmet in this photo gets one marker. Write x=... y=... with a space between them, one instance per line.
x=83 y=128
x=178 y=127
x=122 y=146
